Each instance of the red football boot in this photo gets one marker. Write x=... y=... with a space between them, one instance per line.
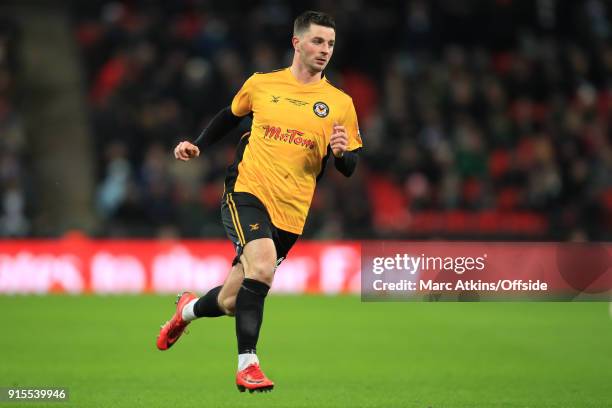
x=253 y=379
x=172 y=330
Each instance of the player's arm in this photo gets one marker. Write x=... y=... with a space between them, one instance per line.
x=345 y=142
x=348 y=162
x=223 y=122
x=344 y=160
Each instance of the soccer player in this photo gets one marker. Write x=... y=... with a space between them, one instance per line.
x=299 y=121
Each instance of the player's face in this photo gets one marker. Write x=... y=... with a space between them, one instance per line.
x=316 y=46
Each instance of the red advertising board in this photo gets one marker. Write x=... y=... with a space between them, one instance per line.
x=79 y=265
x=378 y=270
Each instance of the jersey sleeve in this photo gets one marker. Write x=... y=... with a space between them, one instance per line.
x=352 y=128
x=242 y=104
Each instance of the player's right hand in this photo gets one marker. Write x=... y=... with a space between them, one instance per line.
x=185 y=151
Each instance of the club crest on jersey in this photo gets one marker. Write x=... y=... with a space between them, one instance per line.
x=320 y=109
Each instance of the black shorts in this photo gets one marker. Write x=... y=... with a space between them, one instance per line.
x=245 y=219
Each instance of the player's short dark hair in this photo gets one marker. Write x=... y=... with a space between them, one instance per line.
x=304 y=20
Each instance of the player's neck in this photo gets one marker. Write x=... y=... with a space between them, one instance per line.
x=303 y=76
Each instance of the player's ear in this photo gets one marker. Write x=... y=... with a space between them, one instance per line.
x=295 y=40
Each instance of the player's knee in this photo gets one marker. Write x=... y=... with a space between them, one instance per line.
x=262 y=271
x=228 y=305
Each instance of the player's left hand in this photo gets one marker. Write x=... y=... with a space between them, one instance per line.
x=338 y=140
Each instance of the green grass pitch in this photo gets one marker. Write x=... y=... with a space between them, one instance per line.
x=320 y=351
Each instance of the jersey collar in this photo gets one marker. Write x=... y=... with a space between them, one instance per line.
x=298 y=83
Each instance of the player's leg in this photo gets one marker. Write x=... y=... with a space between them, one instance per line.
x=227 y=296
x=260 y=259
x=220 y=300
x=189 y=307
x=228 y=292
x=259 y=262
x=250 y=219
x=212 y=304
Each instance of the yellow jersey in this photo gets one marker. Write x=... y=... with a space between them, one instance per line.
x=279 y=161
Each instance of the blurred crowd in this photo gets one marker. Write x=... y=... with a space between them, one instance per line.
x=14 y=186
x=479 y=118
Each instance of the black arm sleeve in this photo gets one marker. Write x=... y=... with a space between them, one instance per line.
x=347 y=163
x=219 y=126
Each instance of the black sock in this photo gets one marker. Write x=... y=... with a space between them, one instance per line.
x=208 y=305
x=249 y=314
